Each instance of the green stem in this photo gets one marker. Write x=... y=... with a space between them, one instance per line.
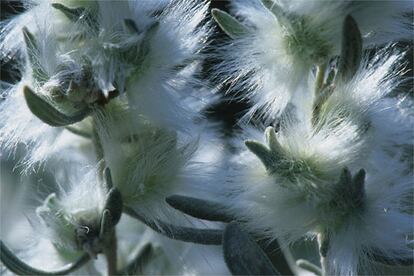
x=110 y=254
x=323 y=242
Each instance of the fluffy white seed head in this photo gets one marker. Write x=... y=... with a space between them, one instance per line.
x=298 y=172
x=280 y=47
x=73 y=218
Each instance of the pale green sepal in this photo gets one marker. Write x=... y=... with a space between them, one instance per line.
x=272 y=141
x=281 y=16
x=230 y=25
x=114 y=204
x=17 y=266
x=351 y=52
x=358 y=187
x=306 y=265
x=243 y=255
x=39 y=74
x=108 y=179
x=106 y=223
x=73 y=14
x=130 y=26
x=46 y=112
x=273 y=7
x=262 y=152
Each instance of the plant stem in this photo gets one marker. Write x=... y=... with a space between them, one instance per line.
x=110 y=254
x=323 y=243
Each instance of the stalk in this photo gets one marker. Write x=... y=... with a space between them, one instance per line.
x=110 y=252
x=323 y=241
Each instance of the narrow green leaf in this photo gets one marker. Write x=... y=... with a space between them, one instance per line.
x=33 y=53
x=106 y=223
x=351 y=51
x=186 y=234
x=114 y=205
x=243 y=255
x=46 y=112
x=108 y=179
x=281 y=16
x=230 y=25
x=15 y=265
x=199 y=208
x=130 y=26
x=331 y=77
x=271 y=138
x=273 y=7
x=380 y=258
x=309 y=267
x=135 y=267
x=358 y=187
x=74 y=14
x=262 y=152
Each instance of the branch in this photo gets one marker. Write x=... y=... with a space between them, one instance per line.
x=15 y=265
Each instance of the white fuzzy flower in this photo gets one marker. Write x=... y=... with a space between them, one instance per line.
x=281 y=43
x=149 y=162
x=300 y=186
x=78 y=53
x=72 y=219
x=137 y=46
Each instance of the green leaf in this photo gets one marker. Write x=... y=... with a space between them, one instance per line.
x=262 y=152
x=230 y=25
x=304 y=264
x=272 y=141
x=358 y=187
x=351 y=51
x=135 y=267
x=186 y=234
x=15 y=265
x=108 y=179
x=46 y=112
x=380 y=258
x=106 y=224
x=199 y=208
x=243 y=255
x=130 y=26
x=73 y=14
x=273 y=7
x=33 y=53
x=281 y=16
x=114 y=204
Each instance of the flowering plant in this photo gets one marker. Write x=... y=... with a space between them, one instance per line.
x=112 y=102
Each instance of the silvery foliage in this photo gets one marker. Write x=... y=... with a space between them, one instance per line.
x=110 y=104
